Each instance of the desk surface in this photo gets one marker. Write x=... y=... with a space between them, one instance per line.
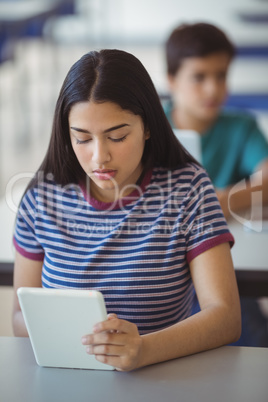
x=225 y=374
x=250 y=257
x=250 y=251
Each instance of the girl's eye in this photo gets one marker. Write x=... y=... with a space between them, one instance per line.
x=118 y=139
x=81 y=141
x=112 y=139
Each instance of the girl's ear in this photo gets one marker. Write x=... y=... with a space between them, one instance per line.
x=147 y=134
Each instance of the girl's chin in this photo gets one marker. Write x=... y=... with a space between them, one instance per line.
x=104 y=186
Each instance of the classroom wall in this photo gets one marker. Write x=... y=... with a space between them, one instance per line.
x=150 y=21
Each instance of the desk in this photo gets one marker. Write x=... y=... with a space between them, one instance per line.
x=250 y=257
x=233 y=374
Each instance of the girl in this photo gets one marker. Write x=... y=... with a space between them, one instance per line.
x=119 y=206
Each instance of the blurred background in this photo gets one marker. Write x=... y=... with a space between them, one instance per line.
x=41 y=39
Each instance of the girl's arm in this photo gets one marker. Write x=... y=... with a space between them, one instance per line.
x=118 y=343
x=26 y=273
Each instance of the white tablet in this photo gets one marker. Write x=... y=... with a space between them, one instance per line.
x=56 y=320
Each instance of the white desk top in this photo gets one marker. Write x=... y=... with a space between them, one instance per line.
x=250 y=251
x=233 y=374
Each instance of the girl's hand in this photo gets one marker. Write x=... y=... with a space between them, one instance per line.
x=115 y=342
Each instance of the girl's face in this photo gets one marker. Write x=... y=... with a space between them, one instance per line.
x=108 y=143
x=199 y=88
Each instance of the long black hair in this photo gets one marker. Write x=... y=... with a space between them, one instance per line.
x=110 y=76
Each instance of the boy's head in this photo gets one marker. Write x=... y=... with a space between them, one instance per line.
x=195 y=40
x=198 y=56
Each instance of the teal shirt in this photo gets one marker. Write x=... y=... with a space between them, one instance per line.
x=232 y=148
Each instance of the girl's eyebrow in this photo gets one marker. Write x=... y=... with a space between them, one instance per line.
x=108 y=130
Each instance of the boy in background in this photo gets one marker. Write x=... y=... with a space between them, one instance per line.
x=233 y=147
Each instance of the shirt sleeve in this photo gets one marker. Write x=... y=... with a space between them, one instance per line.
x=204 y=221
x=25 y=239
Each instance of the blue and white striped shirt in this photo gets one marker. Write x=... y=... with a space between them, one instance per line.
x=135 y=251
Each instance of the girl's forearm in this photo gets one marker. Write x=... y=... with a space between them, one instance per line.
x=208 y=329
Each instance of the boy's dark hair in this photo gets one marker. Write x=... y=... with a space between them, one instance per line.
x=195 y=40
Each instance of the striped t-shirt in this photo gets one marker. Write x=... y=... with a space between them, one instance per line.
x=135 y=251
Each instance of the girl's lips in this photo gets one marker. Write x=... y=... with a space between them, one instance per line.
x=104 y=174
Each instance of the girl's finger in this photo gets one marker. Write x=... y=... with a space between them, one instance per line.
x=111 y=316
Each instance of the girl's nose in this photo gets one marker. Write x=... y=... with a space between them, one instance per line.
x=101 y=153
